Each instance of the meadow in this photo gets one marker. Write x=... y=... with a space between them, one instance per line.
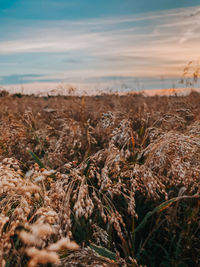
x=103 y=180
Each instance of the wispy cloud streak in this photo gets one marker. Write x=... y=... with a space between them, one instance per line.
x=146 y=45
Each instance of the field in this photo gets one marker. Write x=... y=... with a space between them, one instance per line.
x=99 y=181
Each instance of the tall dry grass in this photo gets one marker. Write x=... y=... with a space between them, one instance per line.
x=99 y=181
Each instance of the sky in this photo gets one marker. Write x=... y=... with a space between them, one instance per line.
x=109 y=43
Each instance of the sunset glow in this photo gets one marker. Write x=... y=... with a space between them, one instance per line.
x=142 y=48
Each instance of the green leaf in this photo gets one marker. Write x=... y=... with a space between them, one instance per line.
x=141 y=132
x=104 y=252
x=160 y=208
x=36 y=159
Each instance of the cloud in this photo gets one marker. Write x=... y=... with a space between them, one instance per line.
x=18 y=79
x=147 y=45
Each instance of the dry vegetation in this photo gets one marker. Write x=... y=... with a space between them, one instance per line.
x=99 y=181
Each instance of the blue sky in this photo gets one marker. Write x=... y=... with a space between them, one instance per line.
x=136 y=44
